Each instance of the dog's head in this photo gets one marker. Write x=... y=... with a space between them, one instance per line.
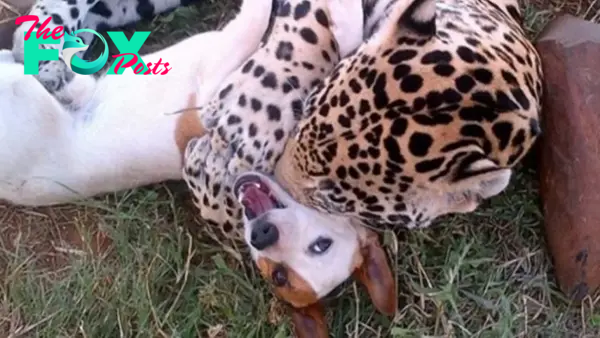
x=305 y=254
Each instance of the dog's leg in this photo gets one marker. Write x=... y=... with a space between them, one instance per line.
x=235 y=42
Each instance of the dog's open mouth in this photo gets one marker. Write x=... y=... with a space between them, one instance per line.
x=255 y=196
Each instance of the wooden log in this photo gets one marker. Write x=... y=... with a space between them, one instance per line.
x=570 y=152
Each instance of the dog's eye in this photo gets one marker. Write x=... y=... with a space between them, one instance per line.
x=320 y=246
x=279 y=277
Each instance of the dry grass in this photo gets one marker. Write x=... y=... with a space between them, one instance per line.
x=7 y=12
x=124 y=265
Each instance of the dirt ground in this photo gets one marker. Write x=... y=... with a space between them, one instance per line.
x=55 y=234
x=52 y=233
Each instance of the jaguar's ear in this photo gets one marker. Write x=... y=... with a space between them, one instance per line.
x=475 y=182
x=418 y=17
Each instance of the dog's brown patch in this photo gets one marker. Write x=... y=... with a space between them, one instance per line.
x=309 y=322
x=188 y=125
x=297 y=292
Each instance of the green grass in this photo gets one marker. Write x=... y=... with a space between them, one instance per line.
x=486 y=274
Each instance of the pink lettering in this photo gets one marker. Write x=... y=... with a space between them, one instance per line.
x=56 y=32
x=130 y=63
x=42 y=30
x=26 y=18
x=148 y=71
x=138 y=69
x=155 y=69
x=167 y=69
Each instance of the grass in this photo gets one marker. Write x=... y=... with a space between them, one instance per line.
x=7 y=12
x=137 y=263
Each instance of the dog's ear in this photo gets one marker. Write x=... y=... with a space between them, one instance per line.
x=375 y=274
x=309 y=322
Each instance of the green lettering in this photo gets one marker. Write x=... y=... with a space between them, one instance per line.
x=33 y=55
x=128 y=46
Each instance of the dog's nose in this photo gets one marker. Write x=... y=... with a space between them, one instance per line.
x=263 y=235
